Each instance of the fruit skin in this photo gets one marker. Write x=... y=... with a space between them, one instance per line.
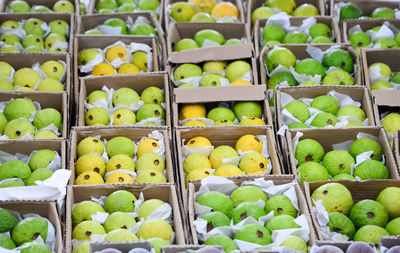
x=150 y=176
x=224 y=241
x=335 y=197
x=352 y=110
x=123 y=116
x=299 y=110
x=249 y=142
x=254 y=233
x=280 y=204
x=90 y=162
x=370 y=233
x=309 y=150
x=324 y=119
x=26 y=77
x=244 y=109
x=350 y=11
x=391 y=122
x=295 y=243
x=142 y=29
x=311 y=67
x=46 y=117
x=155 y=228
x=359 y=39
x=120 y=145
x=221 y=113
x=217 y=201
x=283 y=221
x=89 y=177
x=196 y=161
x=393 y=227
x=181 y=11
x=362 y=145
x=253 y=162
x=219 y=153
x=19 y=6
x=247 y=210
x=326 y=104
x=63 y=6
x=343 y=177
x=84 y=210
x=150 y=111
x=86 y=56
x=236 y=70
x=6 y=242
x=273 y=33
x=261 y=12
x=371 y=169
x=97 y=116
x=147 y=207
x=339 y=58
x=120 y=200
x=216 y=219
x=279 y=78
x=7 y=221
x=119 y=220
x=17 y=128
x=29 y=229
x=83 y=230
x=225 y=9
x=368 y=212
x=390 y=199
x=320 y=29
x=187 y=70
x=150 y=161
x=312 y=171
x=208 y=34
x=15 y=168
x=340 y=223
x=295 y=37
x=19 y=108
x=185 y=44
x=338 y=162
x=90 y=144
x=383 y=12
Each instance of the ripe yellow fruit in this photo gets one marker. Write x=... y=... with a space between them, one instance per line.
x=241 y=83
x=120 y=162
x=103 y=69
x=89 y=177
x=225 y=9
x=190 y=111
x=198 y=174
x=203 y=5
x=198 y=141
x=146 y=146
x=119 y=177
x=194 y=123
x=228 y=170
x=249 y=142
x=139 y=59
x=90 y=162
x=128 y=69
x=115 y=53
x=252 y=121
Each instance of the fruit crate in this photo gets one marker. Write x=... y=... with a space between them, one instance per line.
x=329 y=137
x=47 y=18
x=168 y=19
x=87 y=22
x=372 y=56
x=94 y=41
x=254 y=4
x=277 y=180
x=164 y=192
x=123 y=247
x=47 y=3
x=25 y=60
x=295 y=21
x=46 y=209
x=210 y=97
x=360 y=190
x=184 y=30
x=224 y=136
x=384 y=103
x=300 y=52
x=395 y=147
x=137 y=82
x=133 y=133
x=56 y=100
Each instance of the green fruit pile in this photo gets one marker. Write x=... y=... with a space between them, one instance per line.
x=313 y=164
x=117 y=227
x=318 y=33
x=21 y=6
x=367 y=220
x=244 y=112
x=360 y=39
x=113 y=6
x=381 y=76
x=116 y=26
x=213 y=73
x=288 y=6
x=250 y=162
x=34 y=36
x=353 y=11
x=232 y=209
x=39 y=166
x=21 y=119
x=31 y=79
x=125 y=102
x=23 y=233
x=205 y=38
x=114 y=161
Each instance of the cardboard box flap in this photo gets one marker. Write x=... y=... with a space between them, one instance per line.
x=387 y=98
x=388 y=242
x=123 y=247
x=231 y=93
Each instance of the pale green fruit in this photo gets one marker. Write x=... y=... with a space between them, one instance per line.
x=362 y=145
x=120 y=201
x=390 y=199
x=202 y=17
x=49 y=84
x=106 y=4
x=6 y=242
x=295 y=243
x=148 y=206
x=5 y=69
x=82 y=248
x=29 y=229
x=280 y=56
x=359 y=39
x=39 y=174
x=123 y=116
x=386 y=43
x=246 y=109
x=150 y=161
x=120 y=145
x=125 y=96
x=93 y=32
x=26 y=77
x=306 y=10
x=368 y=212
x=196 y=161
x=96 y=96
x=52 y=69
x=246 y=210
x=121 y=235
x=10 y=24
x=335 y=198
x=309 y=150
x=157 y=243
x=338 y=162
x=19 y=6
x=254 y=233
x=150 y=111
x=53 y=38
x=97 y=116
x=320 y=29
x=391 y=122
x=155 y=228
x=118 y=23
x=383 y=12
x=338 y=77
x=40 y=8
x=15 y=168
x=384 y=69
x=273 y=33
x=185 y=44
x=371 y=169
x=220 y=153
x=295 y=37
x=9 y=49
x=12 y=183
x=221 y=240
x=9 y=39
x=326 y=104
x=236 y=70
x=312 y=171
x=208 y=34
x=343 y=177
x=324 y=119
x=370 y=233
x=88 y=145
x=152 y=95
x=41 y=159
x=17 y=128
x=148 y=5
x=247 y=193
x=352 y=110
x=84 y=210
x=187 y=70
x=119 y=220
x=311 y=67
x=280 y=204
x=33 y=40
x=181 y=11
x=63 y=6
x=86 y=56
x=57 y=50
x=33 y=26
x=59 y=26
x=85 y=229
x=143 y=29
x=45 y=134
x=150 y=176
x=217 y=201
x=380 y=84
x=221 y=113
x=3 y=122
x=261 y=12
x=5 y=85
x=233 y=41
x=321 y=40
x=283 y=221
x=393 y=227
x=299 y=110
x=8 y=221
x=35 y=247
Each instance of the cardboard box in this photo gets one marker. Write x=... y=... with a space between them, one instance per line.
x=102 y=41
x=133 y=133
x=300 y=52
x=164 y=192
x=121 y=246
x=360 y=190
x=277 y=179
x=395 y=147
x=46 y=209
x=367 y=6
x=168 y=20
x=87 y=22
x=387 y=56
x=26 y=60
x=186 y=248
x=211 y=96
x=387 y=242
x=92 y=10
x=252 y=5
x=328 y=137
x=227 y=135
x=341 y=245
x=137 y=82
x=385 y=101
x=178 y=31
x=295 y=21
x=47 y=3
x=45 y=17
x=56 y=100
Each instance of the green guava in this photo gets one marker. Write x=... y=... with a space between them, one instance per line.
x=338 y=162
x=221 y=240
x=312 y=171
x=84 y=210
x=299 y=110
x=370 y=233
x=371 y=169
x=309 y=150
x=362 y=145
x=324 y=119
x=7 y=221
x=148 y=206
x=41 y=159
x=340 y=223
x=390 y=199
x=216 y=219
x=247 y=210
x=280 y=204
x=326 y=104
x=29 y=229
x=283 y=221
x=217 y=201
x=248 y=193
x=254 y=233
x=120 y=201
x=120 y=145
x=335 y=197
x=118 y=220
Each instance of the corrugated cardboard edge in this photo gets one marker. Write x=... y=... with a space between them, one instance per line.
x=376 y=185
x=50 y=213
x=238 y=131
x=338 y=133
x=111 y=80
x=121 y=246
x=395 y=148
x=331 y=21
x=357 y=77
x=107 y=40
x=254 y=4
x=108 y=132
x=176 y=214
x=219 y=94
x=277 y=179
